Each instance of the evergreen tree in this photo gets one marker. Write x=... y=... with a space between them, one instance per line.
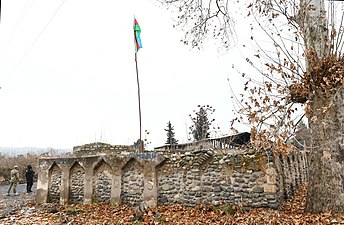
x=170 y=135
x=201 y=122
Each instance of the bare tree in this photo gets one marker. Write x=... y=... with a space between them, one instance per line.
x=303 y=73
x=202 y=19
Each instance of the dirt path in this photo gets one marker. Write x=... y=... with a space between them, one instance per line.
x=11 y=204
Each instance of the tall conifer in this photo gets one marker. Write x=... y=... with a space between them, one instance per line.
x=170 y=135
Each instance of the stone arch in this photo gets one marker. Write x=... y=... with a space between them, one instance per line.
x=132 y=183
x=102 y=180
x=54 y=188
x=76 y=184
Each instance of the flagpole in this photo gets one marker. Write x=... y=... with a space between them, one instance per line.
x=138 y=45
x=139 y=99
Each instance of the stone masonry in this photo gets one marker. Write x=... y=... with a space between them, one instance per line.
x=105 y=173
x=54 y=184
x=132 y=183
x=102 y=183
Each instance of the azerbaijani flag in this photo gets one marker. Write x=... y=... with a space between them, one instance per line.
x=137 y=31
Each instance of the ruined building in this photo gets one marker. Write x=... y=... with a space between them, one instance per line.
x=208 y=172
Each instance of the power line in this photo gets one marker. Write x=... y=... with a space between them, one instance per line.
x=35 y=41
x=19 y=20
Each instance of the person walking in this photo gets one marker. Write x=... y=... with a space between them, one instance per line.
x=29 y=178
x=14 y=181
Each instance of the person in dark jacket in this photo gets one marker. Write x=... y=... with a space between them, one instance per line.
x=29 y=178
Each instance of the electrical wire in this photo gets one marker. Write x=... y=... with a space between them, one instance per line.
x=19 y=20
x=36 y=39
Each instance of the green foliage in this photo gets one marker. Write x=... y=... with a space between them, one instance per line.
x=227 y=209
x=201 y=122
x=224 y=209
x=170 y=135
x=159 y=218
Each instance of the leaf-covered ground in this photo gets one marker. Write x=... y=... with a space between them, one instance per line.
x=292 y=212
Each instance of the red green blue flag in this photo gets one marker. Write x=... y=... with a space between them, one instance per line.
x=137 y=32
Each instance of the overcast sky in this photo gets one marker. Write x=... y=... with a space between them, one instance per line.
x=67 y=74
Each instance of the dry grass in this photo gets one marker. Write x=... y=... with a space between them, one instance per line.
x=8 y=162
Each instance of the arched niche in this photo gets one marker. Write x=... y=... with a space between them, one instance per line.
x=76 y=184
x=54 y=188
x=102 y=179
x=132 y=183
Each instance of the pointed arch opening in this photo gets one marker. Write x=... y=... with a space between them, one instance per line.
x=132 y=183
x=102 y=181
x=55 y=178
x=76 y=184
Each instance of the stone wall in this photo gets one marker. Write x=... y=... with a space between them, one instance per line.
x=209 y=178
x=203 y=176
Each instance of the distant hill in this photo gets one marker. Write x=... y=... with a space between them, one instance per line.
x=12 y=151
